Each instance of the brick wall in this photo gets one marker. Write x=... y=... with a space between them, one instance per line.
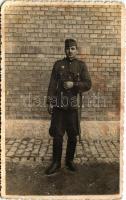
x=34 y=40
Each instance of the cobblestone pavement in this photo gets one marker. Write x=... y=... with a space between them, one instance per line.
x=40 y=150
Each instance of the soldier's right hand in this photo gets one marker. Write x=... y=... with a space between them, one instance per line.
x=50 y=109
x=68 y=84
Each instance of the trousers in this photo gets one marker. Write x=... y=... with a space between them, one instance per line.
x=64 y=121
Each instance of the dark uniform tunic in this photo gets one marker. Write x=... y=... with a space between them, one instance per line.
x=64 y=101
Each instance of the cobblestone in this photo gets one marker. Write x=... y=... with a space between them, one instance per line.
x=38 y=150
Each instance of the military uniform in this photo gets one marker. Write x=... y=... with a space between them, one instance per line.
x=65 y=106
x=66 y=100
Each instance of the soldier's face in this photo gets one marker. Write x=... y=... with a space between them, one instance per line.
x=71 y=52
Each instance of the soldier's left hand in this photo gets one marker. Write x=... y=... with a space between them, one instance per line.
x=68 y=84
x=50 y=109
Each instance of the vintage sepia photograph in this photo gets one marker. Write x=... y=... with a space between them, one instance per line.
x=62 y=99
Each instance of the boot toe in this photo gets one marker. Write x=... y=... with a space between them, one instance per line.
x=53 y=168
x=71 y=166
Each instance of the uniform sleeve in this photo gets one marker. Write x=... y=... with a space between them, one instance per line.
x=52 y=85
x=85 y=81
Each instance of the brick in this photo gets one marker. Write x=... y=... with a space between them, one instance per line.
x=93 y=35
x=94 y=18
x=13 y=149
x=115 y=14
x=88 y=22
x=98 y=14
x=10 y=142
x=97 y=31
x=97 y=22
x=10 y=154
x=102 y=27
x=15 y=160
x=104 y=10
x=35 y=152
x=26 y=154
x=107 y=14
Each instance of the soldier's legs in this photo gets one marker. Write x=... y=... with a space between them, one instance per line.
x=72 y=130
x=71 y=147
x=57 y=148
x=58 y=130
x=57 y=153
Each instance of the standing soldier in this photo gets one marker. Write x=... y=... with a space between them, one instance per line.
x=69 y=78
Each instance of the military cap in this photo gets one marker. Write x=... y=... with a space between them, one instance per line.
x=70 y=42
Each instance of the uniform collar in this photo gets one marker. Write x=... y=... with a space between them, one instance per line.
x=68 y=60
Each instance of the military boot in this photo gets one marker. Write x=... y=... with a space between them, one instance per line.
x=57 y=153
x=70 y=151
